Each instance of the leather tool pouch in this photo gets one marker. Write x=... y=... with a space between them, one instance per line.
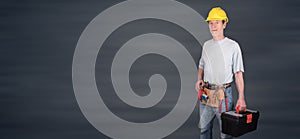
x=214 y=97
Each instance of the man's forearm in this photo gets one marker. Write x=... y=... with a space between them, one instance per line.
x=239 y=80
x=200 y=74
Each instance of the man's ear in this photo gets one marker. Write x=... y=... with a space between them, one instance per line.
x=224 y=25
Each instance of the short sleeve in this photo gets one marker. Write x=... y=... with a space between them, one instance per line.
x=238 y=60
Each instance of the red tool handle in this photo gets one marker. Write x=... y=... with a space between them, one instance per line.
x=200 y=93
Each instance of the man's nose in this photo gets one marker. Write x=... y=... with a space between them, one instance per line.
x=213 y=26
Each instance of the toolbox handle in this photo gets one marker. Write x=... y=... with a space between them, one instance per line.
x=238 y=109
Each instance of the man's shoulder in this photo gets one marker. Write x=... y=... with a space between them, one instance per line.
x=208 y=42
x=231 y=41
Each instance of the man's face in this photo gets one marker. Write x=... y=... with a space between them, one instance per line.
x=216 y=27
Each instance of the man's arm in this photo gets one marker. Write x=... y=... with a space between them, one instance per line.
x=239 y=80
x=200 y=79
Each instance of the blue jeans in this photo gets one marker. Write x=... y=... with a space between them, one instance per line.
x=208 y=114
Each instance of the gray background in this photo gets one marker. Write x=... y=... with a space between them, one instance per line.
x=38 y=39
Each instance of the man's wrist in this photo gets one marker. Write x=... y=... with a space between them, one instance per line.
x=242 y=97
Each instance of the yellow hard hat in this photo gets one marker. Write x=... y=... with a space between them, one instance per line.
x=217 y=13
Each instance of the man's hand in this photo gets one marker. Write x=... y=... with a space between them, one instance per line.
x=241 y=103
x=198 y=85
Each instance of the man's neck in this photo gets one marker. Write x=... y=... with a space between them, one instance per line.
x=218 y=38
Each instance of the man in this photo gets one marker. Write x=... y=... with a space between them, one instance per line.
x=228 y=53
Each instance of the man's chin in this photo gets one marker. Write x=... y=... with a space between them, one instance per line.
x=214 y=35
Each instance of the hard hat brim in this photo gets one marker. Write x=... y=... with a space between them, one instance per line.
x=209 y=19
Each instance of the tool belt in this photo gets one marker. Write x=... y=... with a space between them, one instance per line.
x=212 y=95
x=214 y=86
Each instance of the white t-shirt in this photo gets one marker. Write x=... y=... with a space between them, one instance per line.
x=220 y=60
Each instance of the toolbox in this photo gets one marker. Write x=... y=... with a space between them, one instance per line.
x=237 y=123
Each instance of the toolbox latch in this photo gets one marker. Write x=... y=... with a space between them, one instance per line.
x=249 y=118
